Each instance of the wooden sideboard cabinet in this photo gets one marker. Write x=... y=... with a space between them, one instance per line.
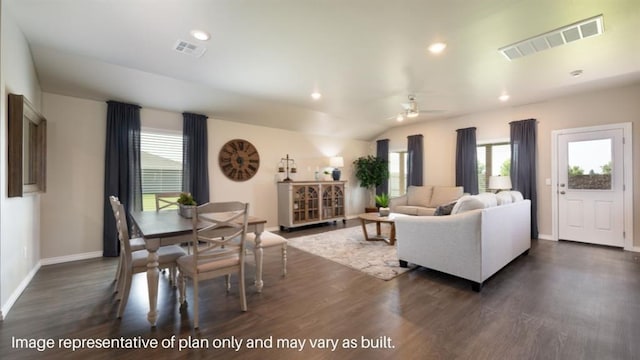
x=310 y=202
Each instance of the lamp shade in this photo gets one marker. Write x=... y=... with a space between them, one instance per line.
x=499 y=182
x=336 y=161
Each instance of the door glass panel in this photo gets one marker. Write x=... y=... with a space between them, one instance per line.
x=590 y=164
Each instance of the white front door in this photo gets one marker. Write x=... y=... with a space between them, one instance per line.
x=590 y=187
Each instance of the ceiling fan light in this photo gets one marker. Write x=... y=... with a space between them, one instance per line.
x=412 y=114
x=399 y=118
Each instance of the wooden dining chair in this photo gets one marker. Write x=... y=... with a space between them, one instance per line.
x=136 y=261
x=169 y=200
x=267 y=240
x=136 y=244
x=166 y=200
x=221 y=230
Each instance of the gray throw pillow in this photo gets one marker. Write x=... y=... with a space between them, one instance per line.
x=444 y=209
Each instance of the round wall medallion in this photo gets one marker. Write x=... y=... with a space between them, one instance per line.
x=239 y=160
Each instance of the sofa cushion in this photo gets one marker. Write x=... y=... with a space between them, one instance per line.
x=419 y=195
x=406 y=209
x=444 y=209
x=516 y=195
x=423 y=211
x=467 y=203
x=444 y=194
x=489 y=199
x=504 y=197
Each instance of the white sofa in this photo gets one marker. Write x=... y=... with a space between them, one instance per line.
x=484 y=233
x=423 y=200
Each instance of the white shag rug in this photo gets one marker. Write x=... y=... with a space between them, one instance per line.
x=348 y=247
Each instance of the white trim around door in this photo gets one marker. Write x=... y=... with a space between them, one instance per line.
x=627 y=177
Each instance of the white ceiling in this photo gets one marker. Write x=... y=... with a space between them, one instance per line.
x=265 y=57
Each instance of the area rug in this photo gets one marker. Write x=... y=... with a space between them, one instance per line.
x=348 y=247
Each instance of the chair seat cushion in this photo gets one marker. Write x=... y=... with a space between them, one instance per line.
x=228 y=259
x=137 y=244
x=166 y=255
x=267 y=239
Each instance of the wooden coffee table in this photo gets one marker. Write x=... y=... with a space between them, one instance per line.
x=375 y=217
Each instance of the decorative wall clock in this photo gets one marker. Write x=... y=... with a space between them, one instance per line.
x=239 y=160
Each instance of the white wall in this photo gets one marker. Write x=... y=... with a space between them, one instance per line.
x=19 y=217
x=72 y=207
x=609 y=106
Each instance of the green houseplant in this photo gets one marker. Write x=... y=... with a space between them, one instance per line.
x=186 y=203
x=371 y=171
x=382 y=201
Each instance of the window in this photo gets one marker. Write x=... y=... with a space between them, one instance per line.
x=493 y=159
x=161 y=163
x=397 y=173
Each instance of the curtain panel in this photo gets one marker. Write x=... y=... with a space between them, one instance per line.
x=382 y=152
x=414 y=160
x=523 y=165
x=195 y=163
x=122 y=174
x=467 y=160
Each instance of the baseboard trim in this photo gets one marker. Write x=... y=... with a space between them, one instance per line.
x=546 y=237
x=68 y=258
x=19 y=290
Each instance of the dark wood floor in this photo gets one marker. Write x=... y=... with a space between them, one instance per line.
x=562 y=301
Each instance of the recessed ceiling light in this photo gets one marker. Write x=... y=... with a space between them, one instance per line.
x=200 y=35
x=316 y=95
x=399 y=118
x=503 y=97
x=576 y=73
x=437 y=48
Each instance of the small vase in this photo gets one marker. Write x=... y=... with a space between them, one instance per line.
x=185 y=211
x=384 y=211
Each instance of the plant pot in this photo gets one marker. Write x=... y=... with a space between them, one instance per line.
x=384 y=211
x=185 y=211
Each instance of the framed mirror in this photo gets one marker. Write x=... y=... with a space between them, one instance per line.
x=27 y=133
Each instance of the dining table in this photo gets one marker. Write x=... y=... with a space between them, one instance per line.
x=161 y=228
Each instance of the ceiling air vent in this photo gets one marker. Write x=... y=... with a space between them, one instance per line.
x=566 y=34
x=188 y=48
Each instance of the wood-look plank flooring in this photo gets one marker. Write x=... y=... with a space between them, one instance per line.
x=562 y=301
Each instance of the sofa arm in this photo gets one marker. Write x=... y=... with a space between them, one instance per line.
x=450 y=244
x=397 y=201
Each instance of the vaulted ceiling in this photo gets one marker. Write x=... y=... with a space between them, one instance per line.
x=265 y=57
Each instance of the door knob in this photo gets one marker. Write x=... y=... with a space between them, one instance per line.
x=561 y=185
x=562 y=192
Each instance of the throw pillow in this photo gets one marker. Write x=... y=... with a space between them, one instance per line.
x=445 y=209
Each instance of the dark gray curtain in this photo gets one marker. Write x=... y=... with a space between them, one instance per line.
x=382 y=152
x=523 y=165
x=467 y=160
x=414 y=160
x=122 y=174
x=195 y=148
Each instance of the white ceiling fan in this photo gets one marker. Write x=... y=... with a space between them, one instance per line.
x=412 y=110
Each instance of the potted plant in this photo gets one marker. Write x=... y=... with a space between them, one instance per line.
x=382 y=201
x=371 y=171
x=186 y=203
